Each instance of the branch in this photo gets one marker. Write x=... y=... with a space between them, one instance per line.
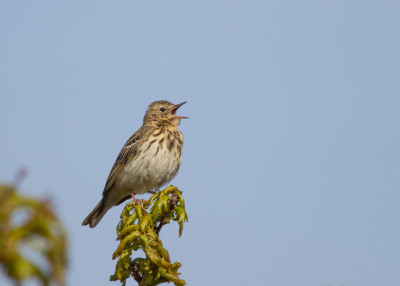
x=165 y=217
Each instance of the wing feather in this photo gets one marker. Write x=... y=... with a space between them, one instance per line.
x=127 y=154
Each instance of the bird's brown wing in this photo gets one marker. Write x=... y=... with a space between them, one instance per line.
x=128 y=153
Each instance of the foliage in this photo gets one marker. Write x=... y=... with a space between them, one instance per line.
x=30 y=231
x=139 y=229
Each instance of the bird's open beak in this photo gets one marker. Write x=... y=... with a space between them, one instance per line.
x=173 y=111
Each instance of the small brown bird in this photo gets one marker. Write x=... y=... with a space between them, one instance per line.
x=148 y=160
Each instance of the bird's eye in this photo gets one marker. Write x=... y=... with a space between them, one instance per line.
x=162 y=109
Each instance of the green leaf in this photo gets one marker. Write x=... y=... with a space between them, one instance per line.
x=128 y=229
x=146 y=222
x=128 y=239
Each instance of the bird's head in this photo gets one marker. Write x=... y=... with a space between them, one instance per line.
x=163 y=113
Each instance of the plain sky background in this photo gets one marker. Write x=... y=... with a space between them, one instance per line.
x=291 y=160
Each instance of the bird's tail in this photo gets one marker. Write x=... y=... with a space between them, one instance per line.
x=96 y=215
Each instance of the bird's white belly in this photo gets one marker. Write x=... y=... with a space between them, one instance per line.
x=155 y=166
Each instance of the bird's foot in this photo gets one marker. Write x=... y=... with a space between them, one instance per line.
x=135 y=201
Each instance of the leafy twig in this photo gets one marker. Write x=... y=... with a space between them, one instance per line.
x=139 y=229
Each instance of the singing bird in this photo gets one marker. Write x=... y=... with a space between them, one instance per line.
x=149 y=159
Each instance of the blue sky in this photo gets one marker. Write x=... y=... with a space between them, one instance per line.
x=291 y=158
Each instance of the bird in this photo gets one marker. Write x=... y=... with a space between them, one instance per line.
x=149 y=159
